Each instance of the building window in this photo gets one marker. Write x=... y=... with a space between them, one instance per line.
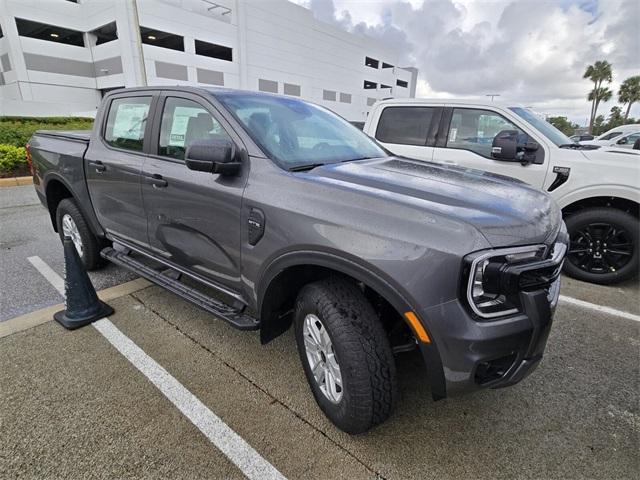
x=162 y=39
x=382 y=85
x=291 y=89
x=214 y=51
x=370 y=85
x=371 y=62
x=106 y=33
x=386 y=65
x=329 y=95
x=50 y=33
x=1 y=34
x=371 y=101
x=345 y=98
x=267 y=85
x=402 y=83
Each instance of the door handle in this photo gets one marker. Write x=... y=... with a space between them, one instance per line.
x=98 y=165
x=450 y=162
x=156 y=181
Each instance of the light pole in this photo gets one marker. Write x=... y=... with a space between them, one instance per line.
x=492 y=95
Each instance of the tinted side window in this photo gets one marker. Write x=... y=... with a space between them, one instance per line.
x=474 y=130
x=184 y=121
x=404 y=125
x=126 y=121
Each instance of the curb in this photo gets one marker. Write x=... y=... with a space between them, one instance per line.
x=33 y=319
x=15 y=181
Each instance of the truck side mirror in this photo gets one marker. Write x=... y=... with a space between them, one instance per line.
x=505 y=146
x=212 y=156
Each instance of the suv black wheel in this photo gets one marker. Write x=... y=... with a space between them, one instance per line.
x=604 y=246
x=71 y=223
x=346 y=354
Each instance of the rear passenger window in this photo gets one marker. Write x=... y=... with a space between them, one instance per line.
x=126 y=121
x=404 y=125
x=184 y=121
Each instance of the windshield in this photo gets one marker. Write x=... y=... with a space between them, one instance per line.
x=295 y=133
x=609 y=136
x=544 y=127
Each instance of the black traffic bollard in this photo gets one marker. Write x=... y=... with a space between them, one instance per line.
x=82 y=305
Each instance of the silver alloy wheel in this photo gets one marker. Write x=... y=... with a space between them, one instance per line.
x=322 y=359
x=70 y=229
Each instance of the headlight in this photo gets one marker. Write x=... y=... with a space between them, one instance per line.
x=490 y=292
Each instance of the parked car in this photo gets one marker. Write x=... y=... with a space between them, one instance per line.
x=598 y=189
x=294 y=217
x=581 y=138
x=625 y=140
x=610 y=137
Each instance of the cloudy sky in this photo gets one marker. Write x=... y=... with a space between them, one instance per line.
x=531 y=52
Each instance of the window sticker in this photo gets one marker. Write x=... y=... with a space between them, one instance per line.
x=130 y=121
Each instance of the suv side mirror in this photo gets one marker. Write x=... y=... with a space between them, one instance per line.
x=505 y=146
x=212 y=156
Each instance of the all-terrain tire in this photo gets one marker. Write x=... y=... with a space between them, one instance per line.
x=606 y=216
x=91 y=245
x=361 y=348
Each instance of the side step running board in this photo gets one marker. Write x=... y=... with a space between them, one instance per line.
x=236 y=318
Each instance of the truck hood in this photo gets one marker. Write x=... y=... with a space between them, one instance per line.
x=504 y=210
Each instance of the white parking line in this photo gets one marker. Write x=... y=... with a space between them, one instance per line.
x=600 y=308
x=47 y=272
x=232 y=445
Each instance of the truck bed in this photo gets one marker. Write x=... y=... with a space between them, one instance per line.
x=75 y=135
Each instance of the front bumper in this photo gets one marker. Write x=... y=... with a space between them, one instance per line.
x=475 y=353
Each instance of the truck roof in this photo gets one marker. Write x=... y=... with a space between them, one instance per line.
x=443 y=101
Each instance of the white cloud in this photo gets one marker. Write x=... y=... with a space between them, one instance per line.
x=532 y=52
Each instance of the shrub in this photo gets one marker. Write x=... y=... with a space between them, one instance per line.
x=16 y=131
x=12 y=159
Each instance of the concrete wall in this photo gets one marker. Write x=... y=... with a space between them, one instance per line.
x=275 y=43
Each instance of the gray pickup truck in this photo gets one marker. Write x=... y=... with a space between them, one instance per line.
x=269 y=211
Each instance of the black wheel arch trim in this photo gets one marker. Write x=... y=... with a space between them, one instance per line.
x=367 y=274
x=89 y=216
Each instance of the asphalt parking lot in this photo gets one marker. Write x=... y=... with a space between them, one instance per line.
x=88 y=404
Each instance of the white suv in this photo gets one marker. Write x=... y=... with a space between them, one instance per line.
x=598 y=189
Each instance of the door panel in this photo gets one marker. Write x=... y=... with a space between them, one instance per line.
x=193 y=217
x=113 y=164
x=469 y=140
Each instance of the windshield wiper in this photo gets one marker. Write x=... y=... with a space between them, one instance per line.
x=578 y=146
x=304 y=168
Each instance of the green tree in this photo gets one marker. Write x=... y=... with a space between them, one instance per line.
x=598 y=73
x=599 y=126
x=629 y=93
x=597 y=95
x=563 y=124
x=615 y=117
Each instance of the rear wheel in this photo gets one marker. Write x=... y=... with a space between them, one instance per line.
x=345 y=354
x=604 y=246
x=71 y=223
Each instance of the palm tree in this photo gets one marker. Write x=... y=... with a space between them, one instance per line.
x=598 y=73
x=629 y=93
x=597 y=95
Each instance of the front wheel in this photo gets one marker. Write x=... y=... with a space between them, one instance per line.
x=604 y=246
x=345 y=354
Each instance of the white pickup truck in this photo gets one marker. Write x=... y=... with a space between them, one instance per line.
x=598 y=188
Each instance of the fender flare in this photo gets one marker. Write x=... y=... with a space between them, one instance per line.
x=370 y=276
x=89 y=216
x=584 y=193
